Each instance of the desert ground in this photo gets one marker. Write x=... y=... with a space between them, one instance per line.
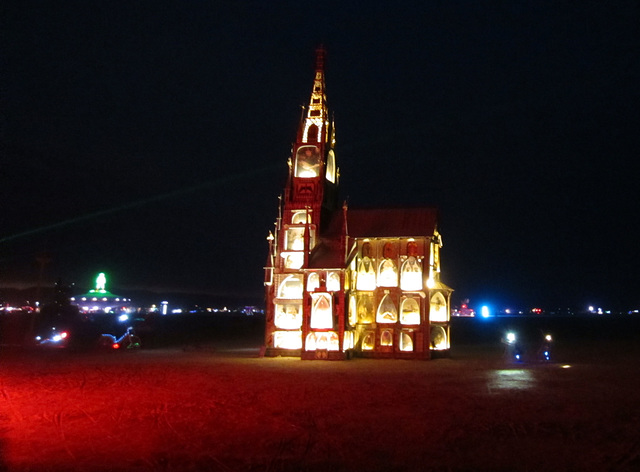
x=204 y=400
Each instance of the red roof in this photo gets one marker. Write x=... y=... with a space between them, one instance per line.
x=391 y=222
x=370 y=223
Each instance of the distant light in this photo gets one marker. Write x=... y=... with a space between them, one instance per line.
x=566 y=366
x=511 y=338
x=123 y=318
x=484 y=311
x=548 y=337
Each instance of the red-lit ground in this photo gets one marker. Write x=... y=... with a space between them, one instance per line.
x=228 y=410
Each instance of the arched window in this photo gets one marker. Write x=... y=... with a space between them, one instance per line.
x=386 y=338
x=410 y=311
x=307 y=161
x=313 y=282
x=406 y=343
x=366 y=275
x=312 y=134
x=321 y=311
x=291 y=287
x=333 y=282
x=438 y=308
x=331 y=167
x=299 y=218
x=388 y=274
x=387 y=311
x=368 y=342
x=438 y=338
x=411 y=274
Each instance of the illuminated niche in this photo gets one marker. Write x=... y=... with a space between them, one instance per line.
x=406 y=342
x=323 y=340
x=438 y=308
x=388 y=274
x=295 y=239
x=287 y=339
x=411 y=274
x=439 y=340
x=293 y=260
x=387 y=311
x=368 y=342
x=333 y=282
x=288 y=316
x=353 y=310
x=321 y=311
x=386 y=338
x=366 y=275
x=307 y=162
x=348 y=341
x=365 y=308
x=313 y=282
x=331 y=167
x=410 y=311
x=291 y=287
x=299 y=218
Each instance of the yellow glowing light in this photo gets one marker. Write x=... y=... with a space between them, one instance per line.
x=406 y=343
x=287 y=339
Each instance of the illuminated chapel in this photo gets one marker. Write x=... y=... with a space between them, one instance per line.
x=341 y=281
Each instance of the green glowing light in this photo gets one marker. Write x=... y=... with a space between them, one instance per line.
x=101 y=282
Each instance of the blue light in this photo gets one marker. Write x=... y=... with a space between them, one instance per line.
x=484 y=311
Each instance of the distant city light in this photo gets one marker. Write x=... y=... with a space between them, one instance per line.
x=484 y=311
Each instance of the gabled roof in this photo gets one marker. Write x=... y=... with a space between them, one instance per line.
x=391 y=222
x=369 y=223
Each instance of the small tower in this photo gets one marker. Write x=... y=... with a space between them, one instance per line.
x=310 y=196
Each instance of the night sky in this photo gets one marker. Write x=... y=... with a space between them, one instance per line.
x=149 y=140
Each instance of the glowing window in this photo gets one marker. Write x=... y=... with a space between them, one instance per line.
x=293 y=260
x=295 y=239
x=287 y=339
x=307 y=162
x=288 y=316
x=411 y=274
x=406 y=343
x=366 y=275
x=439 y=338
x=353 y=310
x=368 y=342
x=347 y=342
x=438 y=308
x=388 y=274
x=299 y=218
x=291 y=287
x=313 y=282
x=365 y=308
x=326 y=340
x=410 y=311
x=386 y=338
x=321 y=311
x=333 y=282
x=387 y=311
x=331 y=166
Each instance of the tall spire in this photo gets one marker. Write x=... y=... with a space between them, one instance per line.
x=316 y=124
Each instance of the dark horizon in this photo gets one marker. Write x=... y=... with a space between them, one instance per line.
x=150 y=141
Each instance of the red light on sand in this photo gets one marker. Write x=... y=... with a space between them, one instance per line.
x=115 y=346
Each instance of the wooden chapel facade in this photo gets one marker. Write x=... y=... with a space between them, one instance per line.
x=340 y=281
